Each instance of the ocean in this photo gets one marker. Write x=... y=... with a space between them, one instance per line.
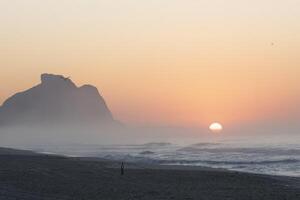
x=272 y=159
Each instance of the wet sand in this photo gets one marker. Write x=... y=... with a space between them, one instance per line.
x=35 y=177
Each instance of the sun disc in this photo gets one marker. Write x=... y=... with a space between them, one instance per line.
x=216 y=127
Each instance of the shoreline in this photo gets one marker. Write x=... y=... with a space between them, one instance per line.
x=32 y=176
x=173 y=166
x=132 y=165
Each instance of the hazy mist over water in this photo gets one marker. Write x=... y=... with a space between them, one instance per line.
x=272 y=158
x=59 y=117
x=279 y=155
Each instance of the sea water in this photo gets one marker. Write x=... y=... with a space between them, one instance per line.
x=273 y=159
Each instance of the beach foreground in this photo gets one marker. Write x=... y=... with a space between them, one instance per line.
x=29 y=176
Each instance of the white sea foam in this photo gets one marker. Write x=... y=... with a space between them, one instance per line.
x=275 y=159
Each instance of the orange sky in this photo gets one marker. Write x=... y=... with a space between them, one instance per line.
x=175 y=62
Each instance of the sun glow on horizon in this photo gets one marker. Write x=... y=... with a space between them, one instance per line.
x=179 y=63
x=216 y=127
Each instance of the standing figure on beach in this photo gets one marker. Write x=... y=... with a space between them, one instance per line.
x=122 y=169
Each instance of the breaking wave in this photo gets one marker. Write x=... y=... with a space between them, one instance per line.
x=283 y=159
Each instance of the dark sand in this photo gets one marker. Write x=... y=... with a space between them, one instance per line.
x=36 y=177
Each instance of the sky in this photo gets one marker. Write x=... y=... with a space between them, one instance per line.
x=162 y=62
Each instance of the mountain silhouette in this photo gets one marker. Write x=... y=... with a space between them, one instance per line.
x=56 y=100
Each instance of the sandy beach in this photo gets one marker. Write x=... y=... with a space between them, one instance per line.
x=30 y=176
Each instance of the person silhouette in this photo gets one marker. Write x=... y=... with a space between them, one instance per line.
x=122 y=169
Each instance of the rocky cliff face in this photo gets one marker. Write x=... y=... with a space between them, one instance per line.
x=55 y=100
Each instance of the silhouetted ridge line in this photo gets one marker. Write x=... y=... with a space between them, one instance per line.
x=56 y=100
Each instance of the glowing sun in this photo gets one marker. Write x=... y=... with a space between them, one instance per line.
x=216 y=127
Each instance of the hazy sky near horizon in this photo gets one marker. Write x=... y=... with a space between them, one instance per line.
x=173 y=62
